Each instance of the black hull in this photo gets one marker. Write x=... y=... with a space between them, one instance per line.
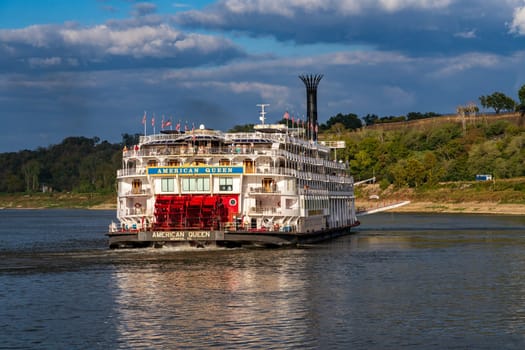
x=142 y=239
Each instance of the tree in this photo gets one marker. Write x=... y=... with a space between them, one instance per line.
x=497 y=101
x=350 y=121
x=130 y=140
x=521 y=95
x=370 y=119
x=415 y=115
x=31 y=171
x=521 y=106
x=242 y=128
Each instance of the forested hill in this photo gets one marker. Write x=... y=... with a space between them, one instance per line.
x=428 y=151
x=77 y=164
x=413 y=154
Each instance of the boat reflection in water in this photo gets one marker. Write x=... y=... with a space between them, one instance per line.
x=213 y=299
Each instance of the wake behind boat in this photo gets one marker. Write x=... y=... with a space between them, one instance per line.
x=277 y=185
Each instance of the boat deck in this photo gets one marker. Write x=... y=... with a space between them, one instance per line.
x=201 y=238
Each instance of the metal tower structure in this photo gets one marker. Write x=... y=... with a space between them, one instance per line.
x=311 y=82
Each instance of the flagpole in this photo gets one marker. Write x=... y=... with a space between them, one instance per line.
x=144 y=122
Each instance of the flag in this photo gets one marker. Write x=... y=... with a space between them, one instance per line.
x=167 y=123
x=144 y=118
x=178 y=127
x=153 y=121
x=286 y=115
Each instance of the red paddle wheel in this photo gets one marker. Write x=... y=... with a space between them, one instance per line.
x=204 y=212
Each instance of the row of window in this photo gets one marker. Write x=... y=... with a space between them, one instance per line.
x=195 y=184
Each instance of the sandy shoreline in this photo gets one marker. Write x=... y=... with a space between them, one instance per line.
x=443 y=207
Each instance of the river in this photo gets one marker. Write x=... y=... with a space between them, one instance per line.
x=412 y=281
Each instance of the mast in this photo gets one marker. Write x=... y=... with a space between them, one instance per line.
x=262 y=113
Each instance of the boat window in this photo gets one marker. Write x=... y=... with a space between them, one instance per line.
x=225 y=184
x=152 y=162
x=136 y=186
x=248 y=166
x=268 y=185
x=167 y=185
x=196 y=184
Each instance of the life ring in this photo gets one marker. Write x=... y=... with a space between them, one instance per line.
x=138 y=205
x=233 y=202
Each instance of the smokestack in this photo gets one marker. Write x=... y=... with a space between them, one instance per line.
x=311 y=82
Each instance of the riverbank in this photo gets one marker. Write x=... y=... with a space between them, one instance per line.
x=433 y=207
x=57 y=200
x=506 y=197
x=501 y=197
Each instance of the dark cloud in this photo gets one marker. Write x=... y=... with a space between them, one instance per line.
x=419 y=27
x=143 y=9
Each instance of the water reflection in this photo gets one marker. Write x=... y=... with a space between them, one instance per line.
x=242 y=298
x=403 y=281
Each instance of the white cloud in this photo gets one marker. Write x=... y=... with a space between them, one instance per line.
x=471 y=34
x=35 y=35
x=44 y=46
x=290 y=7
x=396 y=5
x=35 y=62
x=137 y=41
x=518 y=21
x=465 y=62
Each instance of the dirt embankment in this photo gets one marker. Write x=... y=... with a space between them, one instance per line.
x=502 y=197
x=58 y=200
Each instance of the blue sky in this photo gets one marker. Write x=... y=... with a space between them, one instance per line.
x=92 y=67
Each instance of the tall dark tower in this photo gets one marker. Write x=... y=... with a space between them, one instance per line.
x=311 y=82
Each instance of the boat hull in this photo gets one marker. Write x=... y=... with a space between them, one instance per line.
x=230 y=239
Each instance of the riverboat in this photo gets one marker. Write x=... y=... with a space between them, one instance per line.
x=277 y=185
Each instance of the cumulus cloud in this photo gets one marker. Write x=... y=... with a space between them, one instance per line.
x=290 y=7
x=99 y=45
x=517 y=25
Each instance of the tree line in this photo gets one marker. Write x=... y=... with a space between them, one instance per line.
x=497 y=101
x=414 y=157
x=424 y=156
x=77 y=164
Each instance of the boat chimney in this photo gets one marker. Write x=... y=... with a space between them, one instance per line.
x=311 y=82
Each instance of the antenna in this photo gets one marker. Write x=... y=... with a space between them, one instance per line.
x=262 y=112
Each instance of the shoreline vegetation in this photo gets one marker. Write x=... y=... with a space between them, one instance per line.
x=502 y=197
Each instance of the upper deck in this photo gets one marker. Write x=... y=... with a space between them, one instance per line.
x=271 y=140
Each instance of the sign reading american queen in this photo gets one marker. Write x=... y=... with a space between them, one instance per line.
x=195 y=170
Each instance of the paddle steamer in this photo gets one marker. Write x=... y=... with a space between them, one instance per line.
x=276 y=185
